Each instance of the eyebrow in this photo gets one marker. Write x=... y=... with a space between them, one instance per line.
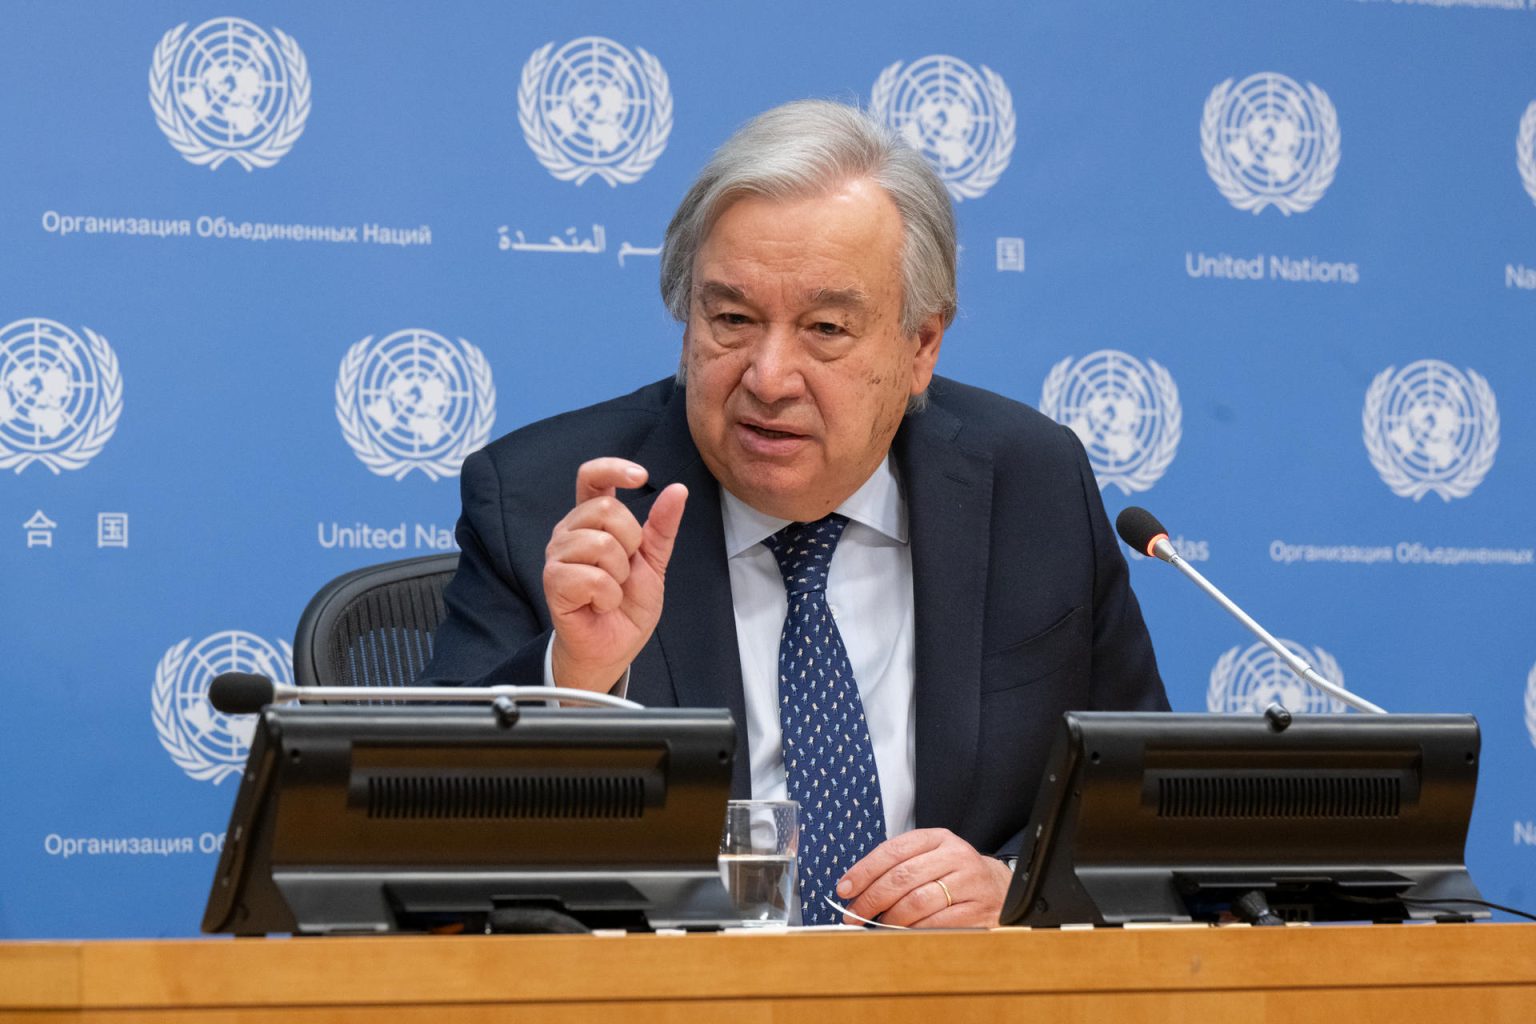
x=719 y=291
x=845 y=298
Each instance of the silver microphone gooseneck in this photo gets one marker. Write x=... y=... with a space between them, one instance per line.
x=446 y=694
x=1141 y=530
x=240 y=693
x=1164 y=550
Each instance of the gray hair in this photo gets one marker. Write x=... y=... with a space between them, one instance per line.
x=810 y=147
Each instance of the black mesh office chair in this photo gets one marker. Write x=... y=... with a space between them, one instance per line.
x=373 y=626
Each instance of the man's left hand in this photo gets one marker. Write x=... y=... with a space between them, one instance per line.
x=898 y=882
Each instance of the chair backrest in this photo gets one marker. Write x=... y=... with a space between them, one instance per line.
x=373 y=626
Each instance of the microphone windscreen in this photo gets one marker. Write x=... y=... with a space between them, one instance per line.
x=1138 y=528
x=240 y=693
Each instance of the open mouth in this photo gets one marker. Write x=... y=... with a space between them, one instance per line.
x=772 y=434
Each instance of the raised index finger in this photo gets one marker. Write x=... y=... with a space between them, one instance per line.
x=603 y=476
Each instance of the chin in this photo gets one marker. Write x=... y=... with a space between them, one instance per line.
x=775 y=494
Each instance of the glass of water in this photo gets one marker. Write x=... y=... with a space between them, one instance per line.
x=757 y=859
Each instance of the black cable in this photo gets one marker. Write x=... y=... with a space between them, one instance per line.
x=1432 y=902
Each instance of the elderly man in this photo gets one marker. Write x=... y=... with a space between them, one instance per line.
x=896 y=583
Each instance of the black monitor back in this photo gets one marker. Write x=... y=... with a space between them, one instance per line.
x=1172 y=817
x=368 y=819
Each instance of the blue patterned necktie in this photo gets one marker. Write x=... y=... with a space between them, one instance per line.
x=829 y=762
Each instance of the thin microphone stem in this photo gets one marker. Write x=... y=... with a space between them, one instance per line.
x=446 y=694
x=1165 y=551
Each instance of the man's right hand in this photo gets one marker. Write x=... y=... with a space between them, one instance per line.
x=604 y=574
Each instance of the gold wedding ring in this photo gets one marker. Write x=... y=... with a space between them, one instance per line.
x=949 y=900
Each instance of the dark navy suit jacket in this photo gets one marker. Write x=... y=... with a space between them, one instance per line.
x=1022 y=604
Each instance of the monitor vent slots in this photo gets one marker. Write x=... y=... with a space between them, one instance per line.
x=1351 y=795
x=506 y=796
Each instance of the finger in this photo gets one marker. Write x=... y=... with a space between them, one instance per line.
x=977 y=892
x=570 y=588
x=661 y=526
x=603 y=476
x=590 y=547
x=886 y=893
x=925 y=900
x=961 y=915
x=605 y=513
x=886 y=856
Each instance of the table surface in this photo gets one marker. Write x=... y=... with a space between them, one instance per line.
x=1386 y=972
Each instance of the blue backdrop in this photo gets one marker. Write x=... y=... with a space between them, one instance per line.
x=271 y=271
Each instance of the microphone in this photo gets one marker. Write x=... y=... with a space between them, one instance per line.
x=1141 y=530
x=240 y=693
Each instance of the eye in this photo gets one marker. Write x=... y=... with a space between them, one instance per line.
x=827 y=329
x=733 y=319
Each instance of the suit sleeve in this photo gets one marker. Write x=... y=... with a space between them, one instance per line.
x=496 y=630
x=1124 y=672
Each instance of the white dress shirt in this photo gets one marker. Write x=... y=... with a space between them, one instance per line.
x=869 y=588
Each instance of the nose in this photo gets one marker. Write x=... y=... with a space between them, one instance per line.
x=774 y=371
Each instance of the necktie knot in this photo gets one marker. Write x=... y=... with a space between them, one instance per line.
x=804 y=552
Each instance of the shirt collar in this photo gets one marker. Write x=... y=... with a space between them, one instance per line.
x=877 y=504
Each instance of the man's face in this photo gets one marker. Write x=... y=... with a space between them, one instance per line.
x=798 y=369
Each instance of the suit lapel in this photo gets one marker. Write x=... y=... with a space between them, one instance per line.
x=948 y=490
x=696 y=637
x=949 y=510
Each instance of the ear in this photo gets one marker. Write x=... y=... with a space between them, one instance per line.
x=687 y=346
x=929 y=336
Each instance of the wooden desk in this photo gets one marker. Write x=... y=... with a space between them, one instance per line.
x=1344 y=975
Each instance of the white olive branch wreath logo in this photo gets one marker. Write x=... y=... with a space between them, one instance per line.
x=1525 y=150
x=1403 y=483
x=103 y=421
x=975 y=184
x=384 y=463
x=1233 y=188
x=177 y=741
x=1222 y=677
x=162 y=709
x=1218 y=695
x=1530 y=704
x=270 y=149
x=1170 y=430
x=555 y=160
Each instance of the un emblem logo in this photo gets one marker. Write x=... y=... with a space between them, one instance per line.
x=228 y=91
x=1431 y=428
x=206 y=743
x=1252 y=679
x=1126 y=414
x=960 y=119
x=594 y=108
x=1530 y=705
x=1269 y=142
x=415 y=400
x=60 y=395
x=1525 y=150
